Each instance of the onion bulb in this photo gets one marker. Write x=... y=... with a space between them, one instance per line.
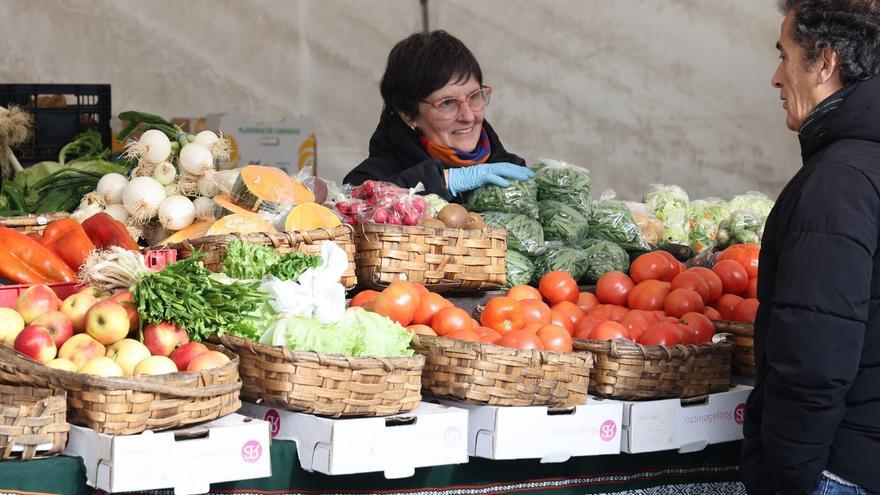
x=176 y=212
x=188 y=185
x=165 y=173
x=196 y=159
x=142 y=197
x=208 y=185
x=204 y=209
x=118 y=212
x=153 y=146
x=111 y=186
x=207 y=138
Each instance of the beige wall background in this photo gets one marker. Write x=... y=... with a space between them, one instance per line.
x=637 y=91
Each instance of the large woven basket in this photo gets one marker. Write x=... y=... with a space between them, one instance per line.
x=441 y=259
x=629 y=371
x=32 y=223
x=743 y=343
x=33 y=422
x=502 y=376
x=327 y=384
x=125 y=406
x=284 y=242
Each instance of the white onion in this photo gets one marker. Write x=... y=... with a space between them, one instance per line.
x=154 y=146
x=142 y=197
x=208 y=185
x=176 y=212
x=118 y=212
x=165 y=173
x=204 y=209
x=84 y=212
x=207 y=138
x=196 y=159
x=111 y=186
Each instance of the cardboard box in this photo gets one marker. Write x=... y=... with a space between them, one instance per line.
x=686 y=425
x=430 y=435
x=554 y=435
x=288 y=144
x=188 y=460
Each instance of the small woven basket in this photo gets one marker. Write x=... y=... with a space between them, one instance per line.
x=502 y=376
x=125 y=406
x=32 y=223
x=744 y=345
x=442 y=259
x=33 y=422
x=628 y=371
x=327 y=384
x=284 y=242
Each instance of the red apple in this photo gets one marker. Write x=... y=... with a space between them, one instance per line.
x=11 y=324
x=81 y=348
x=36 y=341
x=107 y=322
x=58 y=324
x=207 y=360
x=155 y=365
x=185 y=353
x=162 y=338
x=76 y=306
x=36 y=300
x=124 y=298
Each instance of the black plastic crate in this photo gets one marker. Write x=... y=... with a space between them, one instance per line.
x=85 y=106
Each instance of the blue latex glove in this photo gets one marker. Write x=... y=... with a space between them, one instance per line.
x=470 y=178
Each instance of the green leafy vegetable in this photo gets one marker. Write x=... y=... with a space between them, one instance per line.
x=604 y=256
x=563 y=182
x=562 y=222
x=670 y=205
x=704 y=217
x=519 y=269
x=250 y=261
x=86 y=146
x=520 y=197
x=524 y=234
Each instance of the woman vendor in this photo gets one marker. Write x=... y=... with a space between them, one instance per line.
x=432 y=129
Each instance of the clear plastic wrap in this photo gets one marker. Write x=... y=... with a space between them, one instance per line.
x=520 y=269
x=604 y=256
x=561 y=181
x=612 y=221
x=651 y=226
x=561 y=221
x=384 y=203
x=704 y=217
x=572 y=260
x=670 y=205
x=520 y=197
x=524 y=234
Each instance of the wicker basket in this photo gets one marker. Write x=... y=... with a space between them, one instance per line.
x=125 y=406
x=624 y=370
x=744 y=345
x=441 y=259
x=284 y=242
x=32 y=223
x=327 y=384
x=32 y=422
x=502 y=376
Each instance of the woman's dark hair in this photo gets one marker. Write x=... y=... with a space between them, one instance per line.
x=851 y=28
x=421 y=64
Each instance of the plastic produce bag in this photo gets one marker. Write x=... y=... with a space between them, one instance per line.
x=748 y=214
x=384 y=203
x=669 y=204
x=652 y=228
x=524 y=234
x=603 y=257
x=612 y=221
x=519 y=269
x=572 y=260
x=561 y=221
x=561 y=181
x=704 y=217
x=520 y=197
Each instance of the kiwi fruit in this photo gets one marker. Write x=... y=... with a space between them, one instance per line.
x=453 y=216
x=475 y=222
x=433 y=222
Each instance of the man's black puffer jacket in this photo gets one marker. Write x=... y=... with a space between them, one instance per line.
x=816 y=403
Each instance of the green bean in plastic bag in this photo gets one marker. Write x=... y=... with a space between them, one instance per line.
x=561 y=221
x=520 y=269
x=561 y=181
x=567 y=259
x=520 y=197
x=524 y=234
x=604 y=256
x=611 y=220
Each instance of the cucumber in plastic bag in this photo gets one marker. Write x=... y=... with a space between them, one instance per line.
x=520 y=197
x=524 y=234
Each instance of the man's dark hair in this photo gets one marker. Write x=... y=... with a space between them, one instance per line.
x=421 y=64
x=851 y=28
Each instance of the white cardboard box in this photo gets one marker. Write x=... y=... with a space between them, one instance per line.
x=430 y=435
x=554 y=435
x=288 y=144
x=188 y=460
x=686 y=425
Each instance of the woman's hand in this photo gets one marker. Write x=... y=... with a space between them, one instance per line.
x=470 y=178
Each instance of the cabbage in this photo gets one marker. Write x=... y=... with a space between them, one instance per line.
x=704 y=217
x=669 y=205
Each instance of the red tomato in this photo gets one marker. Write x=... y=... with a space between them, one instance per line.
x=561 y=318
x=575 y=314
x=520 y=339
x=700 y=325
x=449 y=320
x=555 y=338
x=663 y=334
x=468 y=335
x=734 y=277
x=363 y=297
x=586 y=326
x=694 y=282
x=610 y=330
x=613 y=287
x=659 y=313
x=429 y=305
x=649 y=295
x=712 y=280
x=421 y=289
x=711 y=313
x=745 y=311
x=726 y=304
x=675 y=266
x=521 y=292
x=559 y=286
x=534 y=327
x=535 y=311
x=502 y=314
x=752 y=289
x=399 y=301
x=681 y=301
x=744 y=254
x=650 y=266
x=609 y=311
x=487 y=335
x=637 y=321
x=421 y=329
x=586 y=301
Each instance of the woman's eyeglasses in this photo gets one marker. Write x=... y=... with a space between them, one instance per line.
x=448 y=108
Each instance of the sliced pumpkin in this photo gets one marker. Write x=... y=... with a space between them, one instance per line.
x=197 y=229
x=268 y=188
x=310 y=216
x=240 y=223
x=225 y=201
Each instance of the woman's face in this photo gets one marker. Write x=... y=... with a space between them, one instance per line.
x=451 y=123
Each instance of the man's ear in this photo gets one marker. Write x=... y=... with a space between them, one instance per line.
x=829 y=66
